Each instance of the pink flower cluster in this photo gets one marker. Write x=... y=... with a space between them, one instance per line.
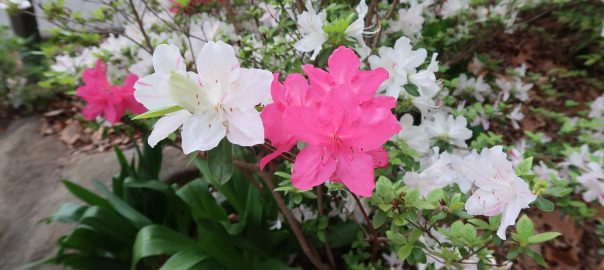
x=338 y=117
x=103 y=98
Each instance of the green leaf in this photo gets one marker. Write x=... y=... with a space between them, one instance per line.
x=154 y=240
x=158 y=112
x=412 y=89
x=404 y=251
x=524 y=168
x=543 y=237
x=435 y=195
x=184 y=260
x=85 y=195
x=68 y=213
x=378 y=219
x=536 y=256
x=220 y=161
x=136 y=218
x=544 y=204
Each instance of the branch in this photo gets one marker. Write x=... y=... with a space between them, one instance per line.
x=374 y=236
x=308 y=249
x=139 y=21
x=330 y=257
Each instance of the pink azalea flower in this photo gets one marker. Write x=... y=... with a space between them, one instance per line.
x=105 y=99
x=338 y=117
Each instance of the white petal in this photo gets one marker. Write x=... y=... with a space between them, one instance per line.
x=508 y=218
x=202 y=132
x=217 y=64
x=245 y=127
x=167 y=125
x=149 y=93
x=167 y=58
x=252 y=87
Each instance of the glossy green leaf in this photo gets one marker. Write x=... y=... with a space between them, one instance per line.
x=184 y=260
x=154 y=240
x=158 y=112
x=543 y=237
x=220 y=161
x=136 y=218
x=85 y=195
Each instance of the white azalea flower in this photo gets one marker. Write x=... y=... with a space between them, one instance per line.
x=219 y=101
x=592 y=181
x=515 y=86
x=426 y=79
x=452 y=129
x=304 y=213
x=579 y=158
x=597 y=108
x=517 y=153
x=311 y=25
x=393 y=261
x=436 y=173
x=543 y=172
x=355 y=30
x=451 y=7
x=477 y=65
x=500 y=190
x=410 y=21
x=515 y=116
x=475 y=86
x=400 y=62
x=417 y=137
x=271 y=15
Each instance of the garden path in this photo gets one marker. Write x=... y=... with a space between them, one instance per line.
x=31 y=169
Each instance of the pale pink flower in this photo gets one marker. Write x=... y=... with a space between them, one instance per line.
x=500 y=190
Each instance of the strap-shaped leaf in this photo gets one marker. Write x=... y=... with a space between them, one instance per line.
x=154 y=240
x=184 y=260
x=85 y=195
x=136 y=218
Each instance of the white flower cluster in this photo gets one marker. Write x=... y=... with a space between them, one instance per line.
x=311 y=25
x=126 y=49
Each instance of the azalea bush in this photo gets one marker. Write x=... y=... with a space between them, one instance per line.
x=332 y=135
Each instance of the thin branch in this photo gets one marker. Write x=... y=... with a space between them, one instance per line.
x=307 y=248
x=330 y=257
x=139 y=21
x=374 y=235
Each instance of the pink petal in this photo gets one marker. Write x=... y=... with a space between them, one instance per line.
x=303 y=122
x=311 y=168
x=343 y=64
x=320 y=80
x=280 y=150
x=380 y=158
x=366 y=83
x=357 y=174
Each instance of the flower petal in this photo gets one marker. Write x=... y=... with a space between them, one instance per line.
x=166 y=125
x=357 y=174
x=343 y=64
x=311 y=169
x=217 y=64
x=150 y=94
x=202 y=132
x=245 y=127
x=252 y=86
x=167 y=58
